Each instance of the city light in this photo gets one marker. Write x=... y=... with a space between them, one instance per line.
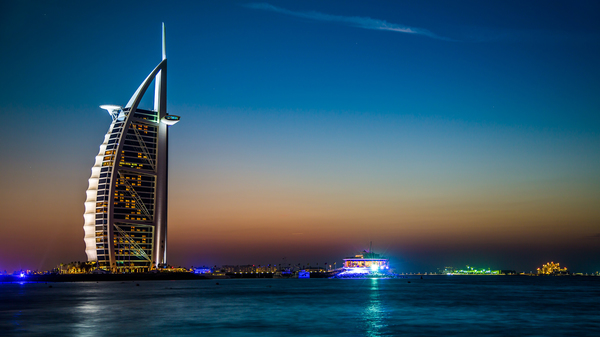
x=471 y=271
x=552 y=268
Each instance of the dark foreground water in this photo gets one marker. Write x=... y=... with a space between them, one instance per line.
x=433 y=306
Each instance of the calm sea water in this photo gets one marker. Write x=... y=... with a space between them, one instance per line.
x=433 y=306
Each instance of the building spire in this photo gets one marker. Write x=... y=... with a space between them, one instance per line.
x=164 y=42
x=160 y=83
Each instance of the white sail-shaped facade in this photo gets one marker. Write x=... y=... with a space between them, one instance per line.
x=125 y=226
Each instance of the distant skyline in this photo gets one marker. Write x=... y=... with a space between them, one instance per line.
x=447 y=133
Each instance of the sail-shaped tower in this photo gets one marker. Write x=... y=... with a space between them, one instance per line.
x=126 y=206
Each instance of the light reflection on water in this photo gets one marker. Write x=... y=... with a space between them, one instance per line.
x=473 y=305
x=374 y=314
x=89 y=311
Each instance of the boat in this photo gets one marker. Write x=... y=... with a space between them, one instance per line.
x=366 y=264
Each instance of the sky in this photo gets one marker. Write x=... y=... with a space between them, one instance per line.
x=445 y=133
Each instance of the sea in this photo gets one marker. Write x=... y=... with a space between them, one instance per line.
x=414 y=306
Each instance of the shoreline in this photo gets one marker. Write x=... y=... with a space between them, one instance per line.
x=188 y=276
x=101 y=277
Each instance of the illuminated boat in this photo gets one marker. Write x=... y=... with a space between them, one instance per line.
x=366 y=264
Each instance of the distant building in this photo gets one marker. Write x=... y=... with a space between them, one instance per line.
x=552 y=268
x=126 y=206
x=446 y=270
x=472 y=271
x=266 y=269
x=249 y=268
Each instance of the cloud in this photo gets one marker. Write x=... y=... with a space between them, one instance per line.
x=354 y=21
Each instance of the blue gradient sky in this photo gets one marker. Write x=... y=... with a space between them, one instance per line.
x=448 y=133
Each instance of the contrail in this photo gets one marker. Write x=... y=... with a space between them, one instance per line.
x=355 y=21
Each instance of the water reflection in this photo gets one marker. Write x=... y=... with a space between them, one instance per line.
x=437 y=306
x=88 y=311
x=87 y=318
x=374 y=314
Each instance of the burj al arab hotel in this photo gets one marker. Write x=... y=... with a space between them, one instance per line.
x=126 y=206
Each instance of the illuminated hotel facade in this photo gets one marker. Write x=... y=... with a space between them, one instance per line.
x=125 y=215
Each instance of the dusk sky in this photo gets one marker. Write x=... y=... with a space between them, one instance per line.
x=448 y=133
